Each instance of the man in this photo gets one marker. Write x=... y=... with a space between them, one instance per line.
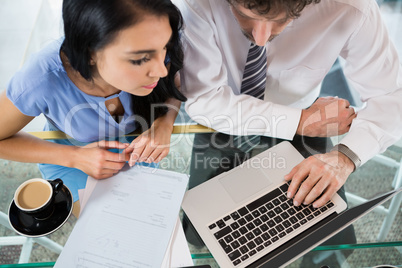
x=303 y=39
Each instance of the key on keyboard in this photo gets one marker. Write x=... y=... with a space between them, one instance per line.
x=263 y=222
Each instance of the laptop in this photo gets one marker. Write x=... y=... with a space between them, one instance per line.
x=245 y=219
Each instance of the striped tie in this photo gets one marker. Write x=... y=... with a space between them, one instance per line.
x=253 y=84
x=255 y=72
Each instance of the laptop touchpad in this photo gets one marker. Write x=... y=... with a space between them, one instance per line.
x=244 y=182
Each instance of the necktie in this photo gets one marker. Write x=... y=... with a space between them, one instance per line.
x=255 y=72
x=253 y=84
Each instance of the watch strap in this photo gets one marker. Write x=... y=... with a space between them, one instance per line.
x=348 y=153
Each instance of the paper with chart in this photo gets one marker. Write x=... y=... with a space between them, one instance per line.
x=128 y=220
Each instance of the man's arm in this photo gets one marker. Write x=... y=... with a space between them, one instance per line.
x=210 y=60
x=319 y=176
x=211 y=99
x=154 y=144
x=374 y=70
x=327 y=117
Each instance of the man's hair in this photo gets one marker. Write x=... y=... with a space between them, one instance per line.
x=293 y=8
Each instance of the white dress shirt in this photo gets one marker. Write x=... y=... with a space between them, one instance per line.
x=298 y=60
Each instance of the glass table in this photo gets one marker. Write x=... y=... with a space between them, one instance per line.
x=373 y=178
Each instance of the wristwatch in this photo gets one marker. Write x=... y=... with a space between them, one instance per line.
x=349 y=153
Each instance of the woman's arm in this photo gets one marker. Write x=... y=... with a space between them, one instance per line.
x=20 y=146
x=153 y=145
x=15 y=145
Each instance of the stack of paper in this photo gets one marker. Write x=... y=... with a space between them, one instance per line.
x=129 y=220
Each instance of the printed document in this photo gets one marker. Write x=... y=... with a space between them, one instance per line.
x=128 y=220
x=178 y=253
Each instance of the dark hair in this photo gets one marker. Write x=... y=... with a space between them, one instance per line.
x=90 y=25
x=293 y=8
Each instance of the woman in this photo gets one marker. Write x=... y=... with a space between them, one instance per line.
x=109 y=76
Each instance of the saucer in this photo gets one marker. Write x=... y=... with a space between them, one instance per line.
x=27 y=225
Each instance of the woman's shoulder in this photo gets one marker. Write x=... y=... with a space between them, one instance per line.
x=39 y=72
x=36 y=84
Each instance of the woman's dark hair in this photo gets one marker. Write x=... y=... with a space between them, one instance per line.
x=293 y=8
x=90 y=25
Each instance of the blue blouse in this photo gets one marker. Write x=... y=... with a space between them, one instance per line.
x=42 y=86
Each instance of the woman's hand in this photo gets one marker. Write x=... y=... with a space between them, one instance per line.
x=152 y=145
x=95 y=160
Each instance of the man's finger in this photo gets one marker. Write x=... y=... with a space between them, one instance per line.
x=305 y=189
x=325 y=197
x=317 y=190
x=346 y=103
x=297 y=175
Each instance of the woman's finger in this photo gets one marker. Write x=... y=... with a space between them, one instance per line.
x=146 y=153
x=162 y=155
x=115 y=157
x=157 y=155
x=112 y=144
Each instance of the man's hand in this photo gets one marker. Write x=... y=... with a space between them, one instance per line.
x=329 y=116
x=319 y=176
x=96 y=161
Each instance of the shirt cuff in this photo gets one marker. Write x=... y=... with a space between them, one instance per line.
x=348 y=153
x=285 y=121
x=362 y=144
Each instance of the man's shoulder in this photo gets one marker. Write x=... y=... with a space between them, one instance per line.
x=360 y=5
x=192 y=3
x=200 y=5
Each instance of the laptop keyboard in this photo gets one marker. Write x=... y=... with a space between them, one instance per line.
x=262 y=223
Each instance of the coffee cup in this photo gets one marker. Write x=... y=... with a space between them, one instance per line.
x=36 y=196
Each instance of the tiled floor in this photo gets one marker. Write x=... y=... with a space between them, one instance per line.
x=26 y=25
